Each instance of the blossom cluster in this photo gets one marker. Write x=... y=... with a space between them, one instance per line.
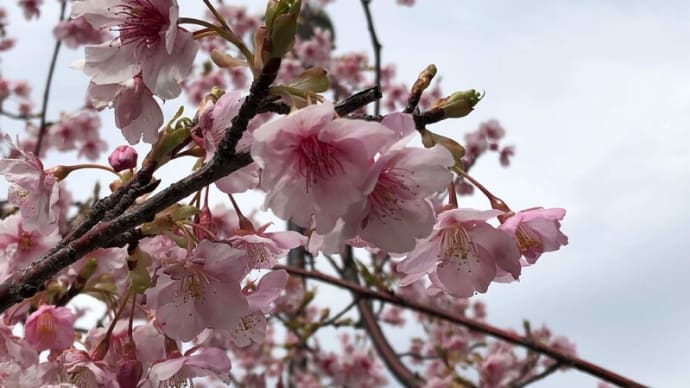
x=194 y=290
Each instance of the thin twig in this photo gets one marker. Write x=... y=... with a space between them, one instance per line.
x=551 y=369
x=482 y=327
x=18 y=116
x=376 y=45
x=46 y=91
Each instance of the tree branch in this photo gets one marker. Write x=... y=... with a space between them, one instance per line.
x=508 y=336
x=27 y=282
x=46 y=91
x=376 y=45
x=402 y=373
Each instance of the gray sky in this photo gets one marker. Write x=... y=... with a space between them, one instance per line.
x=596 y=97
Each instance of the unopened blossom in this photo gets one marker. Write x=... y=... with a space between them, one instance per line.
x=137 y=113
x=536 y=231
x=505 y=154
x=32 y=189
x=77 y=31
x=50 y=327
x=179 y=371
x=150 y=43
x=464 y=252
x=314 y=165
x=201 y=292
x=122 y=158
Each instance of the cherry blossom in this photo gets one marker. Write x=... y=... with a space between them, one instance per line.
x=77 y=31
x=252 y=327
x=396 y=211
x=137 y=113
x=315 y=166
x=182 y=369
x=19 y=246
x=464 y=251
x=150 y=43
x=32 y=189
x=536 y=231
x=264 y=248
x=50 y=327
x=204 y=289
x=84 y=371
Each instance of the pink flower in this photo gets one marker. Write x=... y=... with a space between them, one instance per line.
x=315 y=166
x=180 y=370
x=15 y=349
x=136 y=111
x=88 y=373
x=32 y=189
x=75 y=130
x=263 y=249
x=536 y=231
x=30 y=8
x=77 y=31
x=150 y=43
x=466 y=251
x=19 y=246
x=123 y=158
x=397 y=213
x=201 y=292
x=252 y=327
x=50 y=327
x=215 y=118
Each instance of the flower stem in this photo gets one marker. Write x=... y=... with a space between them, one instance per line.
x=496 y=203
x=224 y=32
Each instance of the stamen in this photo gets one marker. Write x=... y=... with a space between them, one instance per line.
x=457 y=248
x=392 y=188
x=142 y=23
x=317 y=160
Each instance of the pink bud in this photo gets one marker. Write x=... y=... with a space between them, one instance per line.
x=122 y=158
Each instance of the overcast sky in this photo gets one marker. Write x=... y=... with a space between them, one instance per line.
x=596 y=97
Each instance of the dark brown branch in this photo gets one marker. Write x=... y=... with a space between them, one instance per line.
x=358 y=100
x=402 y=373
x=508 y=336
x=539 y=376
x=376 y=45
x=46 y=92
x=27 y=282
x=17 y=116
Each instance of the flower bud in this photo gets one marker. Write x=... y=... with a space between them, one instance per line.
x=123 y=157
x=459 y=104
x=424 y=79
x=281 y=25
